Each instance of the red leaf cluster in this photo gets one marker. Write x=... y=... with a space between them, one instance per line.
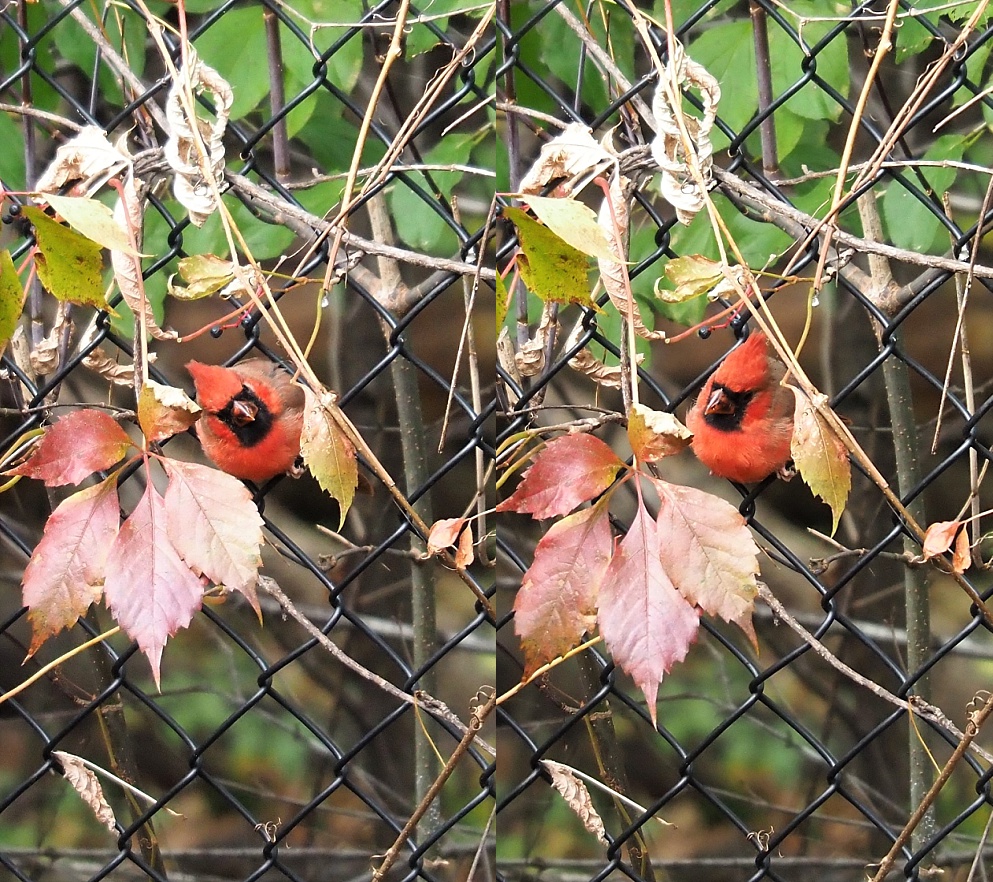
x=152 y=568
x=647 y=591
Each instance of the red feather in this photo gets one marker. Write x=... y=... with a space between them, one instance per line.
x=742 y=421
x=252 y=418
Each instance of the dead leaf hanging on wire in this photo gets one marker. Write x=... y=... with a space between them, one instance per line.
x=678 y=184
x=181 y=150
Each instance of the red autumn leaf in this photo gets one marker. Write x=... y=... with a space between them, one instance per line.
x=556 y=603
x=571 y=470
x=150 y=591
x=65 y=573
x=74 y=447
x=215 y=526
x=708 y=553
x=646 y=623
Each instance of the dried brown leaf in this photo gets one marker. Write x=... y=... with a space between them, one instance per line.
x=84 y=781
x=577 y=797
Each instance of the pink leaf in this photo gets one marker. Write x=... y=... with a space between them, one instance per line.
x=215 y=526
x=556 y=603
x=150 y=591
x=939 y=537
x=708 y=553
x=444 y=533
x=571 y=470
x=646 y=623
x=65 y=573
x=74 y=447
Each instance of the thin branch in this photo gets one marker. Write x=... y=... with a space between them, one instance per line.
x=923 y=709
x=478 y=718
x=426 y=702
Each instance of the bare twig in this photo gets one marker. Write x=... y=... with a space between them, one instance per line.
x=424 y=701
x=478 y=718
x=923 y=709
x=976 y=720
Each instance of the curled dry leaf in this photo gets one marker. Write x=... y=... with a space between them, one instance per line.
x=939 y=538
x=164 y=411
x=129 y=212
x=109 y=368
x=586 y=363
x=45 y=356
x=182 y=151
x=506 y=358
x=530 y=358
x=614 y=221
x=449 y=533
x=574 y=152
x=577 y=797
x=654 y=434
x=88 y=158
x=84 y=781
x=678 y=184
x=962 y=556
x=944 y=536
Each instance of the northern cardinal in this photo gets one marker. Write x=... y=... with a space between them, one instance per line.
x=742 y=422
x=252 y=417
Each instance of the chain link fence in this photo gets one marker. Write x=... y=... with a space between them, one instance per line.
x=776 y=764
x=261 y=757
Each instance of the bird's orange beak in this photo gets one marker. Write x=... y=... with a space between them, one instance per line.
x=718 y=403
x=243 y=412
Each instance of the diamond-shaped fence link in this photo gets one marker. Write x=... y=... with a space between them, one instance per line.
x=770 y=762
x=262 y=756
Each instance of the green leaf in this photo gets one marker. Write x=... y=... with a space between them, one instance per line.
x=69 y=265
x=11 y=159
x=235 y=46
x=550 y=267
x=575 y=223
x=11 y=298
x=911 y=224
x=502 y=302
x=125 y=30
x=417 y=223
x=94 y=220
x=727 y=50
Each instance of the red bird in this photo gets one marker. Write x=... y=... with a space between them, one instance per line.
x=252 y=417
x=742 y=422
